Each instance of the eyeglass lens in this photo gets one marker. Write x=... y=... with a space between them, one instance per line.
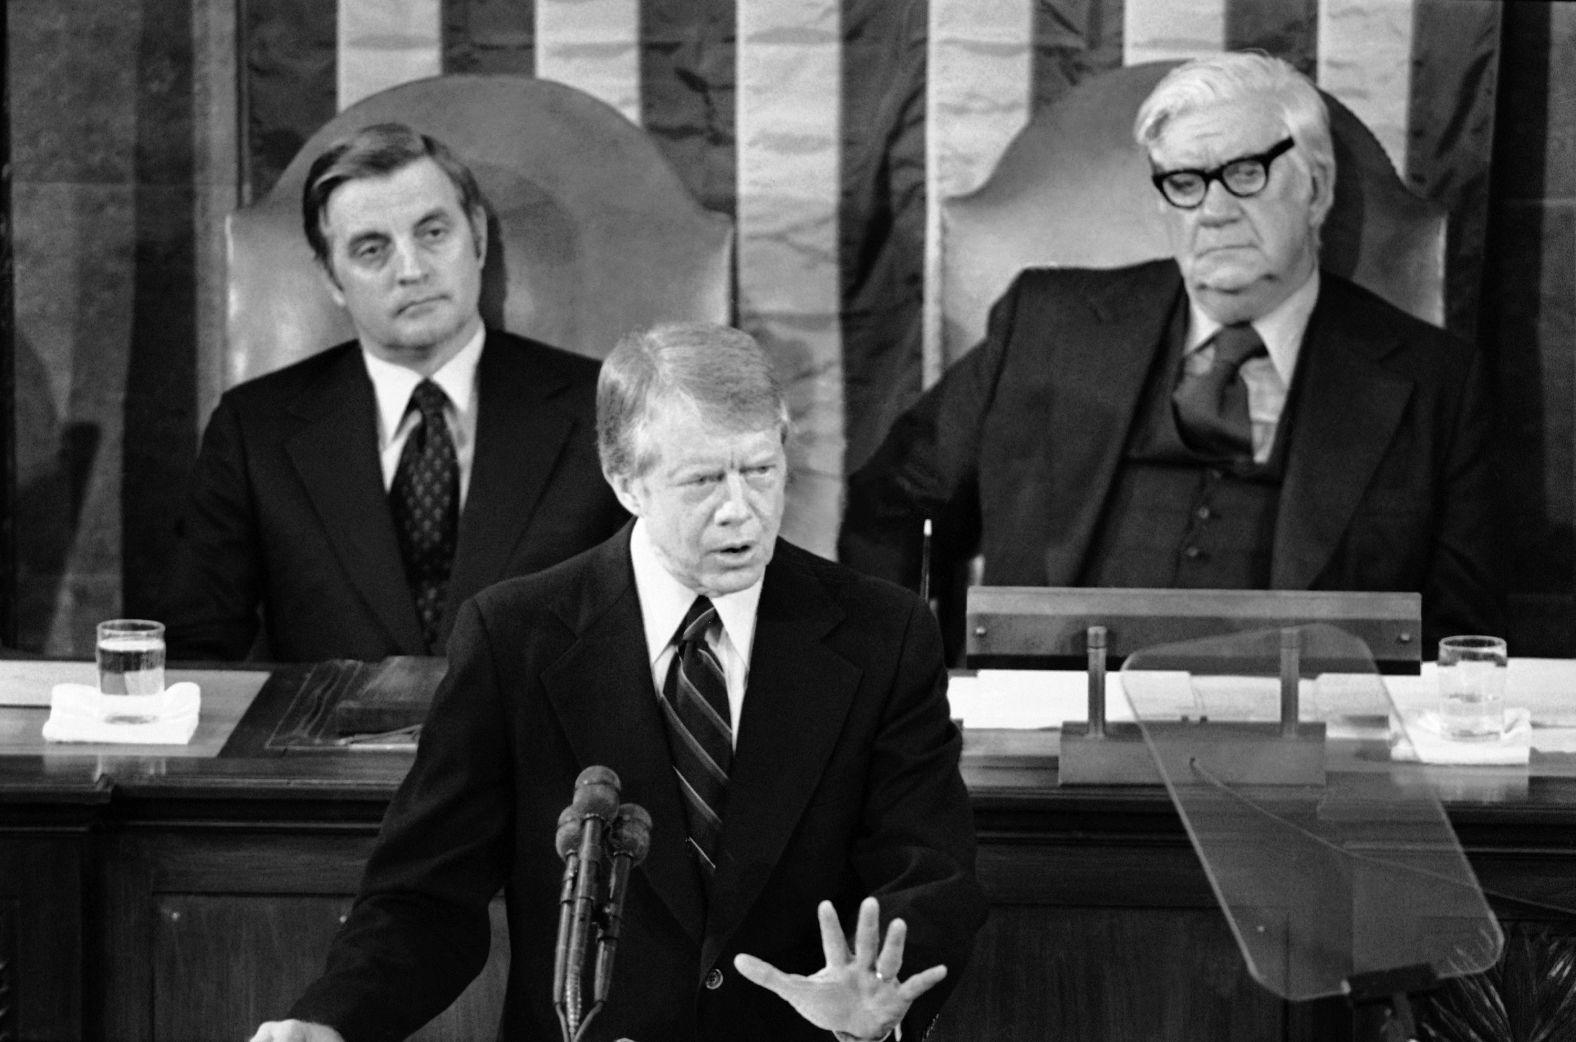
x=1243 y=178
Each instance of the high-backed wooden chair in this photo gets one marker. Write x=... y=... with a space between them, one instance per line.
x=592 y=233
x=1072 y=190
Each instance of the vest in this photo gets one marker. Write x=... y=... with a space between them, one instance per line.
x=1174 y=520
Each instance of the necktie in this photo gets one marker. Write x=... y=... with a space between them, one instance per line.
x=700 y=734
x=425 y=501
x=1212 y=407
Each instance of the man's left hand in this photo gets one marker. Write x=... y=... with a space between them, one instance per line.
x=855 y=994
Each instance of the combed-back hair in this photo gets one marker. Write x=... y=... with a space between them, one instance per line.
x=378 y=151
x=719 y=371
x=1238 y=75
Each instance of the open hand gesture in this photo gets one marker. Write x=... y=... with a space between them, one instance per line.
x=855 y=994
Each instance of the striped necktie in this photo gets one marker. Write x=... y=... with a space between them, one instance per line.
x=700 y=734
x=1212 y=407
x=425 y=501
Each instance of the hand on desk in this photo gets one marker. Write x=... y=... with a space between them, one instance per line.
x=295 y=1031
x=856 y=995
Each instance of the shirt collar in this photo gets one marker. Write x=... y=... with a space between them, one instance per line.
x=664 y=600
x=392 y=384
x=1281 y=329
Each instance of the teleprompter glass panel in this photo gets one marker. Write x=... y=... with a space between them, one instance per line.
x=1328 y=865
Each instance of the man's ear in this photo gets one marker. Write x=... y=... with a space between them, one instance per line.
x=625 y=488
x=325 y=268
x=1321 y=186
x=478 y=221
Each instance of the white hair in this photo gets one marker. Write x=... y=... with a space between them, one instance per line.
x=1239 y=75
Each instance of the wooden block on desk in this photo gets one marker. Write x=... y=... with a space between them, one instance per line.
x=1235 y=753
x=1039 y=626
x=394 y=694
x=1117 y=757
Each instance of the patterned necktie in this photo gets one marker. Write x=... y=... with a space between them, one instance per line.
x=1212 y=406
x=700 y=735
x=425 y=501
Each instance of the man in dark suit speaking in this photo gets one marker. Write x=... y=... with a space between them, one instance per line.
x=1232 y=418
x=354 y=499
x=783 y=719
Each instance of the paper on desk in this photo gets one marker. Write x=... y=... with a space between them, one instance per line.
x=1029 y=699
x=28 y=682
x=1023 y=699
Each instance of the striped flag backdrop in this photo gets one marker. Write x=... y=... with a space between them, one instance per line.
x=822 y=127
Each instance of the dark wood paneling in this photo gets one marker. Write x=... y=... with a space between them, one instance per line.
x=212 y=932
x=1098 y=973
x=224 y=964
x=8 y=969
x=41 y=928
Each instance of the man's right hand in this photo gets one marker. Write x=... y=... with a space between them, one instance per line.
x=295 y=1031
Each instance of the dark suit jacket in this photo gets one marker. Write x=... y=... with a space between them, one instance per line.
x=288 y=513
x=1389 y=482
x=845 y=783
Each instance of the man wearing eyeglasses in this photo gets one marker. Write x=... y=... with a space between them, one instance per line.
x=1230 y=418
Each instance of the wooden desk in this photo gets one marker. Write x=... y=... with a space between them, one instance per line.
x=150 y=896
x=24 y=706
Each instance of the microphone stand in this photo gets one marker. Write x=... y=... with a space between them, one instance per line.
x=628 y=841
x=581 y=843
x=1381 y=1010
x=567 y=842
x=595 y=833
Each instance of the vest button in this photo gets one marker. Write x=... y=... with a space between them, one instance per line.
x=713 y=980
x=1202 y=513
x=1193 y=553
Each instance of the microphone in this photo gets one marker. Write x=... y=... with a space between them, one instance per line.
x=595 y=803
x=567 y=841
x=630 y=841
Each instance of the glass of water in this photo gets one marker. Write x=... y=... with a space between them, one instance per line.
x=1472 y=687
x=131 y=662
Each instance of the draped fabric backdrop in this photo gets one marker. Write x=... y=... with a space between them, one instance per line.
x=815 y=126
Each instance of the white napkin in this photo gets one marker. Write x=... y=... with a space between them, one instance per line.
x=77 y=713
x=1424 y=741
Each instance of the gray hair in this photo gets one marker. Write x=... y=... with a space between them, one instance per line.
x=1237 y=75
x=378 y=151
x=721 y=372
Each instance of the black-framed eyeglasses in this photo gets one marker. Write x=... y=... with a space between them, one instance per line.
x=1244 y=177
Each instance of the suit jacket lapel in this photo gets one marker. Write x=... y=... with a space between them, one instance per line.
x=797 y=687
x=1347 y=408
x=1104 y=367
x=336 y=455
x=601 y=690
x=519 y=435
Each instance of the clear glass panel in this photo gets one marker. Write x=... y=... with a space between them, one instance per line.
x=1326 y=863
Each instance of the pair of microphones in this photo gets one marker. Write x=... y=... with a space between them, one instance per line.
x=600 y=841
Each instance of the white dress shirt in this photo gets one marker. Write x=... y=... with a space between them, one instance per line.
x=1268 y=379
x=392 y=385
x=664 y=601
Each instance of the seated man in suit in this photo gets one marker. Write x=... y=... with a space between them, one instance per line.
x=783 y=719
x=1231 y=418
x=354 y=499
